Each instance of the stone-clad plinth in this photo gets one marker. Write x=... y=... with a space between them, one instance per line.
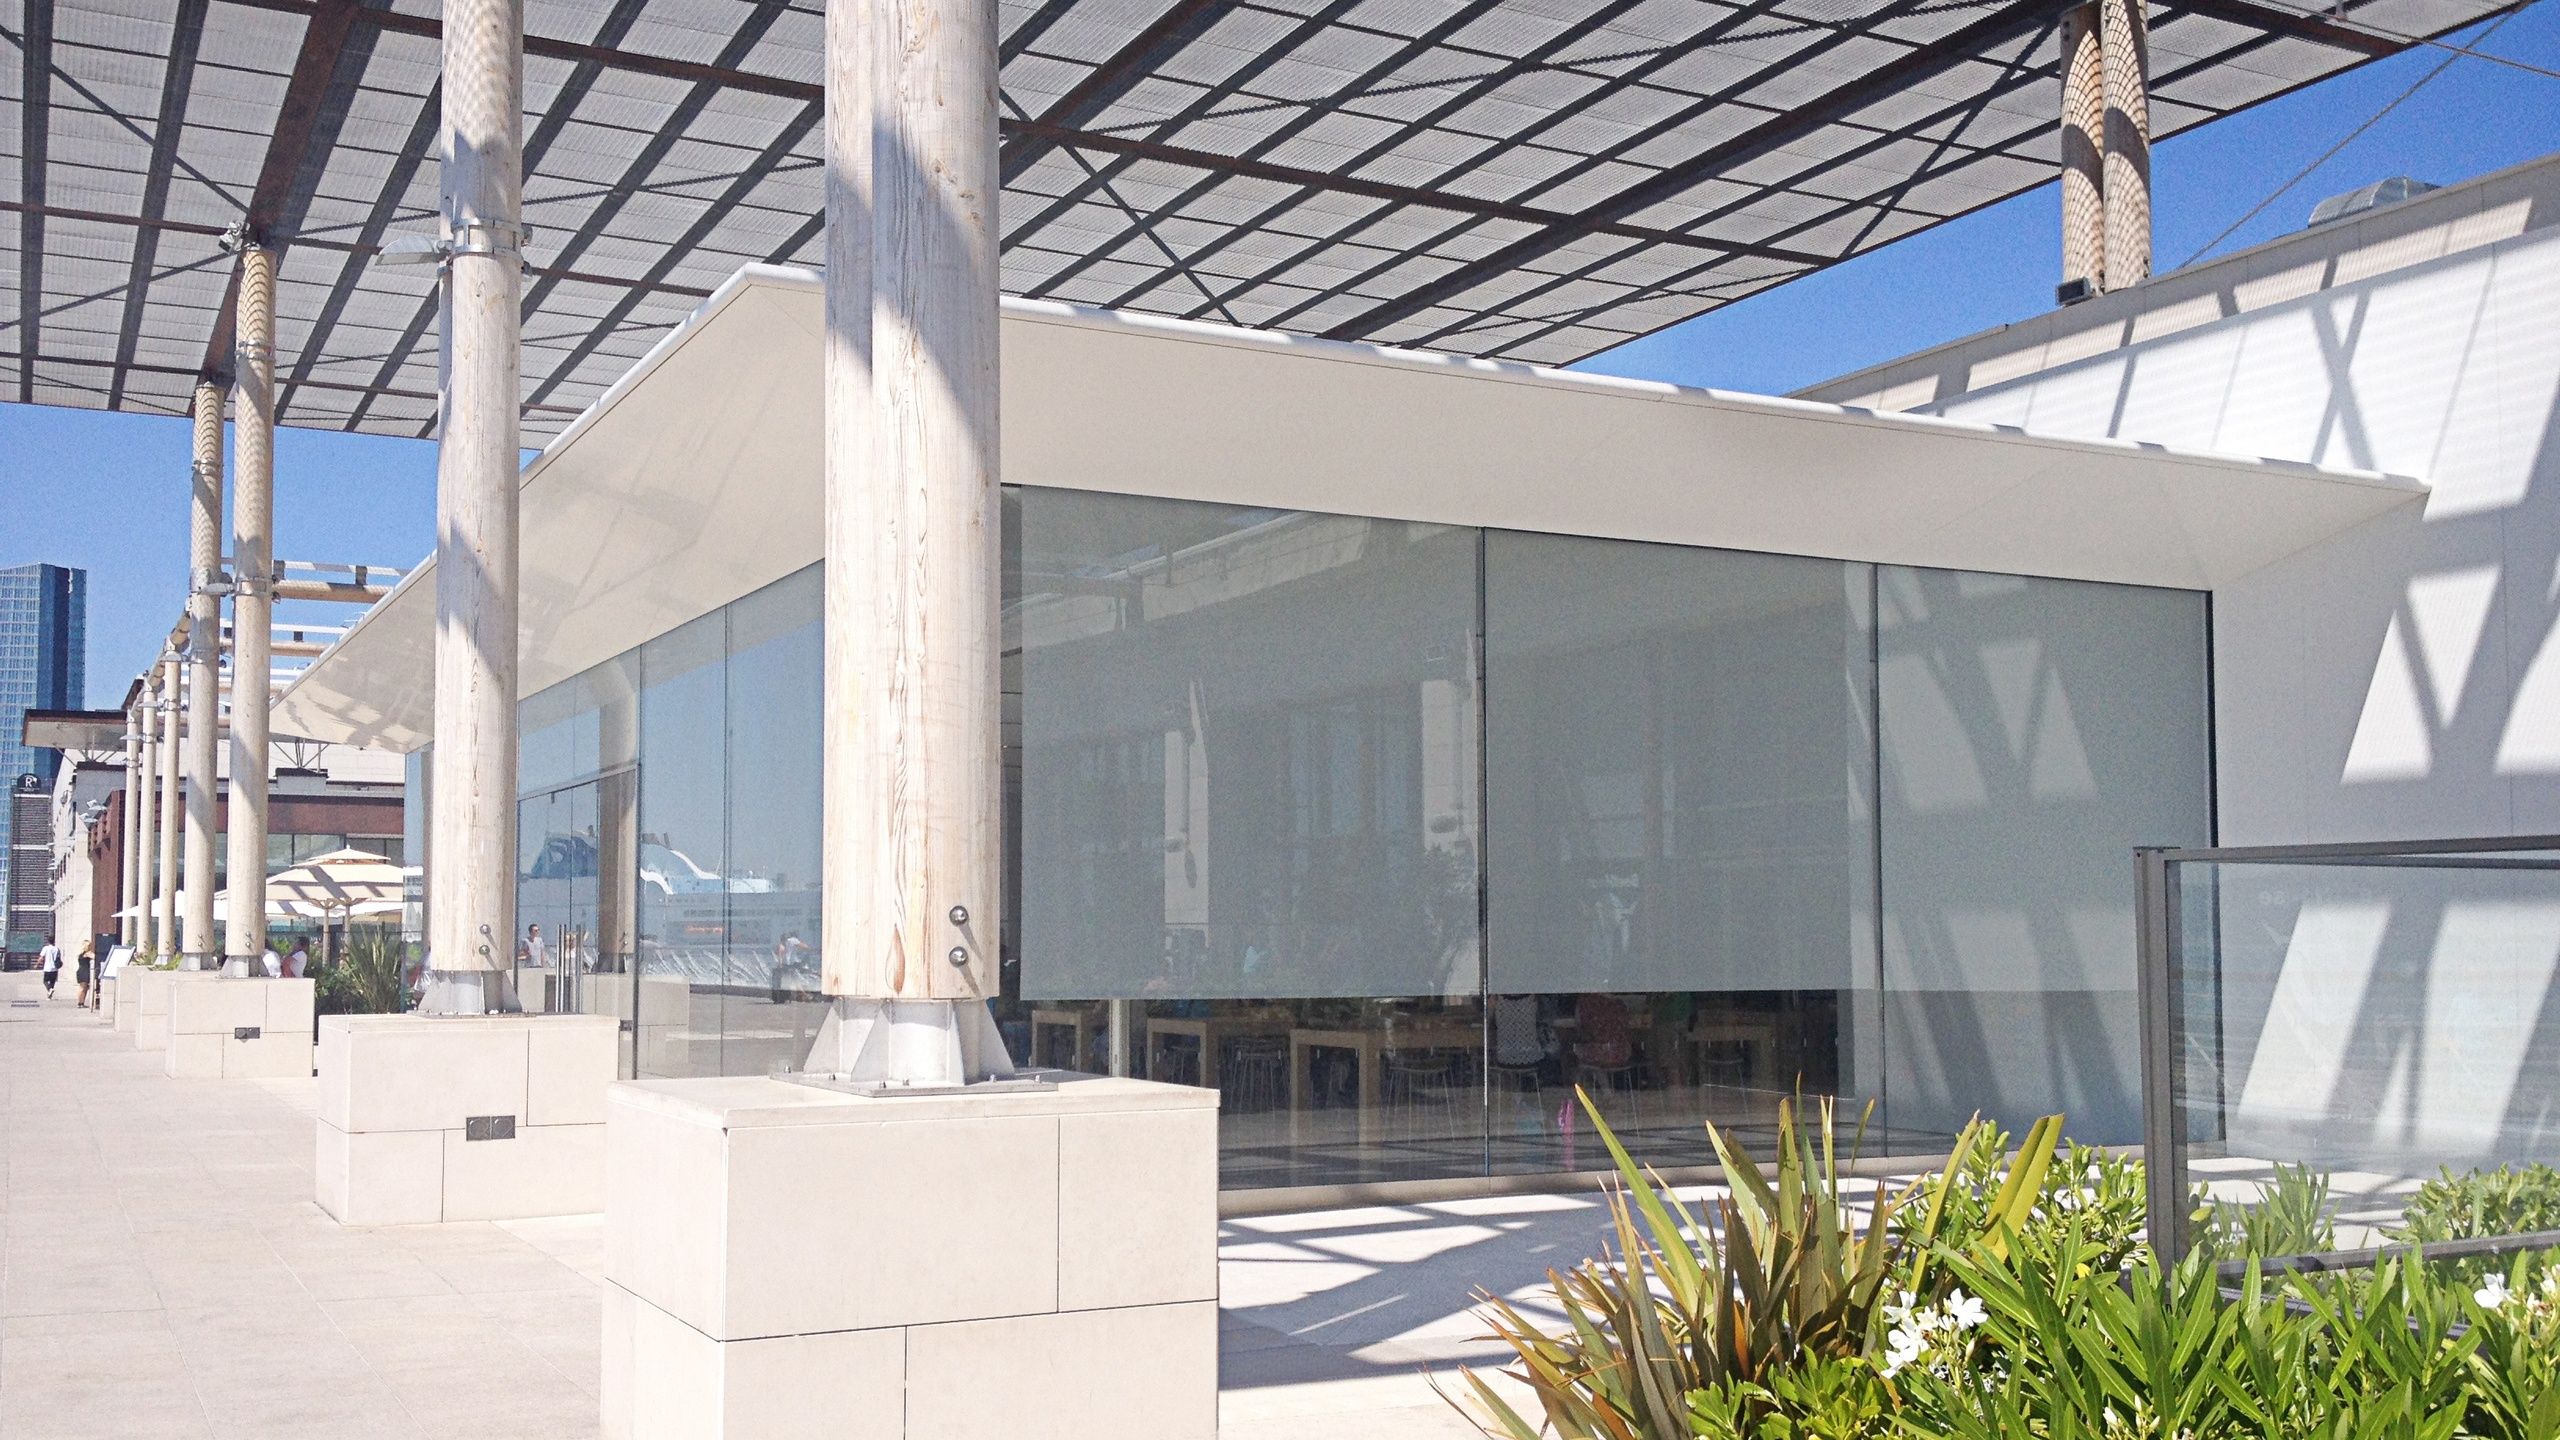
x=237 y=1028
x=425 y=1118
x=786 y=1261
x=146 y=994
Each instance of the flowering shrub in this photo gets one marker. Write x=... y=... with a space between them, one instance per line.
x=2015 y=1298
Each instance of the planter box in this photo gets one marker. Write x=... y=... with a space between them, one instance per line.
x=786 y=1261
x=426 y=1118
x=225 y=1028
x=150 y=1004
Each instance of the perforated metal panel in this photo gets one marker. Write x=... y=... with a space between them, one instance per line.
x=1533 y=179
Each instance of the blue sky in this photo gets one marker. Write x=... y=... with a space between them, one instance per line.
x=104 y=492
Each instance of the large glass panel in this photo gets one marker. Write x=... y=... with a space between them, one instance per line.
x=557 y=735
x=1246 y=750
x=682 y=897
x=2033 y=733
x=2356 y=1027
x=548 y=860
x=1679 y=911
x=771 y=1004
x=414 y=800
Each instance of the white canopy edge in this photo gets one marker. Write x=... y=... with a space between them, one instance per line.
x=695 y=479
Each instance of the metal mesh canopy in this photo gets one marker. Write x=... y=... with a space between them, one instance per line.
x=1531 y=179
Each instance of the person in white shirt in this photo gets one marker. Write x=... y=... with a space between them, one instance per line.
x=51 y=959
x=297 y=963
x=273 y=966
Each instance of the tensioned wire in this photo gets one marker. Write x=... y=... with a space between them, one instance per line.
x=2325 y=156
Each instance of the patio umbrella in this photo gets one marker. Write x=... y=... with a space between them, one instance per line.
x=340 y=884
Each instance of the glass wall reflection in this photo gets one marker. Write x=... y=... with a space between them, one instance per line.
x=1247 y=832
x=1680 y=895
x=2033 y=733
x=1396 y=833
x=770 y=1003
x=684 y=849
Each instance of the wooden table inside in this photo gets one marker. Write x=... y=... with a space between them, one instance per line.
x=1369 y=1046
x=1213 y=1032
x=1079 y=1022
x=1758 y=1037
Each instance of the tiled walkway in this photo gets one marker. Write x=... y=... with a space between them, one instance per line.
x=164 y=1272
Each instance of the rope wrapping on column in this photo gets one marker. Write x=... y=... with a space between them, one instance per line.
x=2124 y=33
x=2084 y=111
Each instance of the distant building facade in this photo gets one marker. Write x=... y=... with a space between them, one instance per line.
x=44 y=641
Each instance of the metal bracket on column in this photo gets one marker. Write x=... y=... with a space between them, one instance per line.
x=440 y=250
x=489 y=1127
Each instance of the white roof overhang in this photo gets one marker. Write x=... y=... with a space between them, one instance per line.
x=696 y=479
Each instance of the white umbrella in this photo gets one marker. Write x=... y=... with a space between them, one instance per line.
x=341 y=884
x=336 y=882
x=276 y=909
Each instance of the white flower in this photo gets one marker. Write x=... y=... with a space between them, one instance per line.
x=2493 y=1294
x=1904 y=1346
x=1964 y=1311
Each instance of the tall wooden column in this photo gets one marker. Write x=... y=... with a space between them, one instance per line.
x=141 y=843
x=471 y=905
x=2084 y=109
x=165 y=905
x=253 y=511
x=196 y=939
x=912 y=773
x=2125 y=44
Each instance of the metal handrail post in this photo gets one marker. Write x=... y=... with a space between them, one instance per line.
x=2163 y=1140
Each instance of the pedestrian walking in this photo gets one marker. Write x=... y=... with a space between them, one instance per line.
x=51 y=956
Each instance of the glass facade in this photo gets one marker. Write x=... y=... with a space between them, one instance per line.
x=1397 y=832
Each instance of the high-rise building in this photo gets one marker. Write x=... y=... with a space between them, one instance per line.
x=44 y=643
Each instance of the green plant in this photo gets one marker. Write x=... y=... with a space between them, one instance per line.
x=2504 y=1201
x=2290 y=1216
x=365 y=979
x=2093 y=1193
x=2066 y=1347
x=2514 y=1368
x=1762 y=1324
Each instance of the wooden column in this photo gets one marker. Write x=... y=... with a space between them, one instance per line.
x=912 y=770
x=912 y=763
x=2124 y=36
x=142 y=838
x=196 y=940
x=253 y=512
x=164 y=905
x=2084 y=109
x=471 y=905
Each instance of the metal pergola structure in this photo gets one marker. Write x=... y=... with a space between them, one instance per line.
x=1529 y=179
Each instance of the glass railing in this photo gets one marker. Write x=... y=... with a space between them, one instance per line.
x=2351 y=1048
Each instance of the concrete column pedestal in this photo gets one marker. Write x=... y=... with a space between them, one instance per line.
x=787 y=1261
x=427 y=1118
x=150 y=1003
x=221 y=1028
x=107 y=999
